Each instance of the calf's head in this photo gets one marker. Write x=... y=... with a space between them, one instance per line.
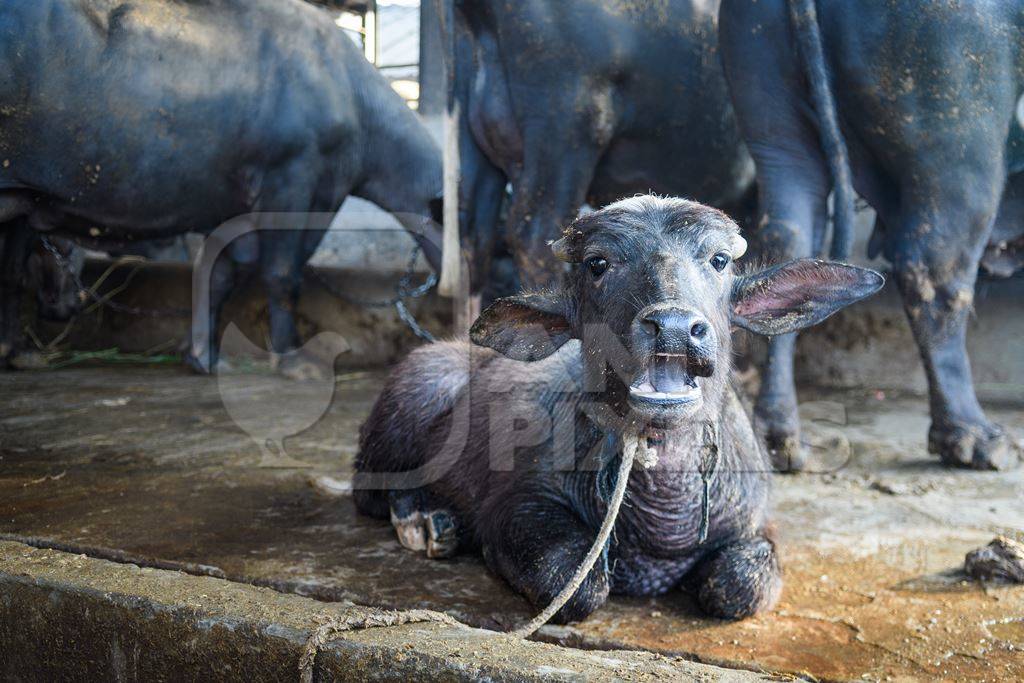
x=652 y=293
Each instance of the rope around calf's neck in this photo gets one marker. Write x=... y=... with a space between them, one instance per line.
x=630 y=445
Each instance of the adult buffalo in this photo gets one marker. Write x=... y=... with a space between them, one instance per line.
x=125 y=121
x=585 y=101
x=912 y=102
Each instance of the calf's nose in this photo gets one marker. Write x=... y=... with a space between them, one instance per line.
x=674 y=330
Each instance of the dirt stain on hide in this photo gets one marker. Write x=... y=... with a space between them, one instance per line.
x=918 y=286
x=660 y=10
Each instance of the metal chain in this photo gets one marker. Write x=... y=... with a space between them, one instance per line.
x=403 y=290
x=63 y=263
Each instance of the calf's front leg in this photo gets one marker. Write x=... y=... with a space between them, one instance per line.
x=537 y=545
x=738 y=579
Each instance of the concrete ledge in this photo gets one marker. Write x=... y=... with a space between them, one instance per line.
x=65 y=616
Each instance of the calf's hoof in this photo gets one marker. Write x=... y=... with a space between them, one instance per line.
x=978 y=447
x=422 y=527
x=739 y=580
x=442 y=534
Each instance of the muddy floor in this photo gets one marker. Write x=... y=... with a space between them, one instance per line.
x=246 y=477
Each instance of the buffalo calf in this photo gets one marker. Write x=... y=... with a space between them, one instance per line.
x=510 y=444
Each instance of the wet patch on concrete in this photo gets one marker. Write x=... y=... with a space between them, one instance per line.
x=148 y=461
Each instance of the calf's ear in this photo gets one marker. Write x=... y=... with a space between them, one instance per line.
x=798 y=294
x=525 y=327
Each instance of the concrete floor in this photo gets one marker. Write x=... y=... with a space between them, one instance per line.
x=150 y=464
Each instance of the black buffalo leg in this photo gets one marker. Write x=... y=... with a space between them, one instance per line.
x=793 y=182
x=738 y=579
x=481 y=192
x=936 y=257
x=793 y=197
x=281 y=262
x=793 y=205
x=548 y=192
x=279 y=270
x=283 y=254
x=15 y=242
x=204 y=351
x=537 y=545
x=290 y=203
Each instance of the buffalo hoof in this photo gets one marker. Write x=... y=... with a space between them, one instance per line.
x=6 y=354
x=303 y=367
x=781 y=438
x=786 y=453
x=200 y=366
x=777 y=424
x=977 y=447
x=27 y=360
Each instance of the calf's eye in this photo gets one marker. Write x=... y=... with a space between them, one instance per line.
x=719 y=261
x=597 y=266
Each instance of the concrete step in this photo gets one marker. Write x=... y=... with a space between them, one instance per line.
x=72 y=617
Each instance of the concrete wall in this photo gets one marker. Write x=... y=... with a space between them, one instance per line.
x=867 y=345
x=870 y=344
x=375 y=335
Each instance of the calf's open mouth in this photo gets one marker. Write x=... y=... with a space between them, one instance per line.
x=665 y=382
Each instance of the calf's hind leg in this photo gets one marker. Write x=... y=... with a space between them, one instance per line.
x=738 y=579
x=394 y=439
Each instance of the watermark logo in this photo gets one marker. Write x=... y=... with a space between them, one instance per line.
x=271 y=406
x=521 y=416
